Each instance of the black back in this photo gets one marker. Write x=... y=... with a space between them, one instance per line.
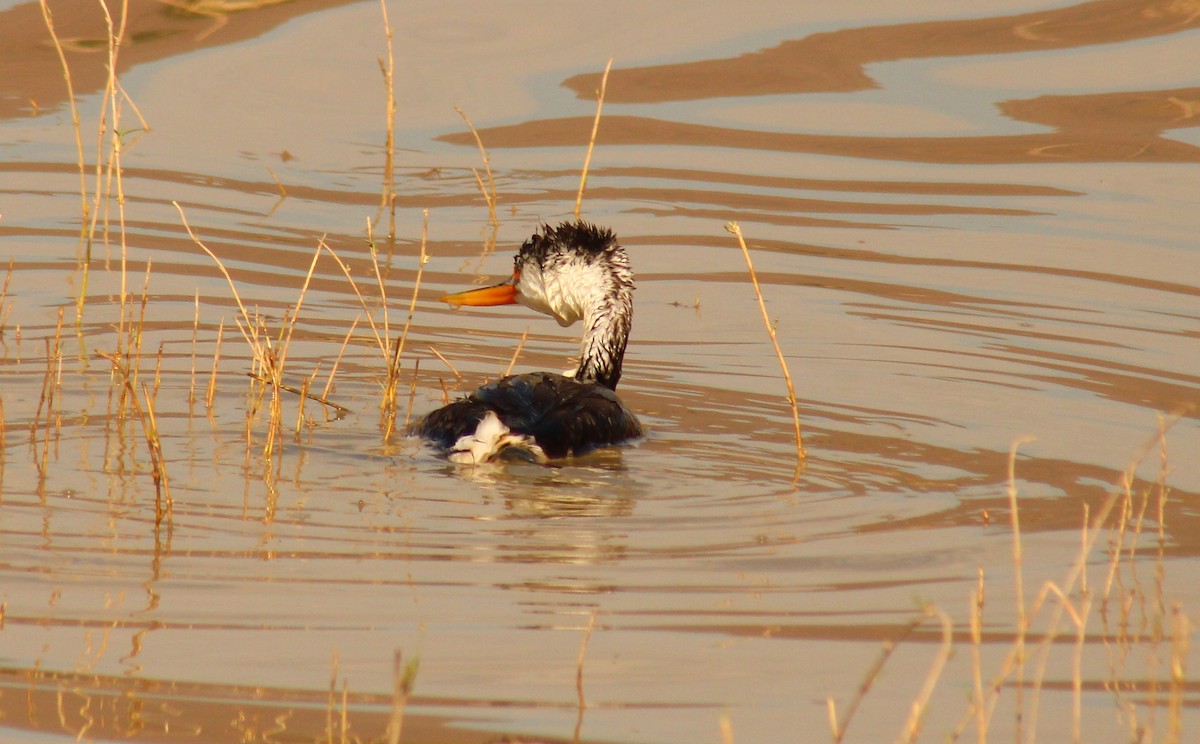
x=564 y=416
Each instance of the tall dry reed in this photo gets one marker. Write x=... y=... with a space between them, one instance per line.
x=734 y=228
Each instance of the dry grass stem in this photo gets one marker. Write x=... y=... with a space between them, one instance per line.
x=583 y=647
x=303 y=392
x=3 y=452
x=412 y=391
x=158 y=360
x=211 y=393
x=726 y=725
x=163 y=503
x=84 y=234
x=489 y=199
x=137 y=330
x=126 y=99
x=1182 y=628
x=734 y=228
x=379 y=340
x=446 y=361
x=195 y=335
x=977 y=603
x=278 y=184
x=333 y=675
x=112 y=171
x=390 y=403
x=1120 y=497
x=5 y=305
x=516 y=353
x=48 y=400
x=1018 y=581
x=290 y=326
x=304 y=396
x=388 y=197
x=277 y=360
x=404 y=678
x=341 y=352
x=916 y=715
x=839 y=726
x=587 y=159
x=253 y=343
x=373 y=250
x=490 y=195
x=44 y=400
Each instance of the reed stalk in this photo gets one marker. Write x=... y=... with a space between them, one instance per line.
x=3 y=452
x=158 y=360
x=839 y=724
x=329 y=710
x=583 y=647
x=337 y=361
x=390 y=403
x=45 y=417
x=211 y=392
x=725 y=724
x=388 y=198
x=373 y=251
x=916 y=714
x=457 y=375
x=254 y=344
x=516 y=353
x=412 y=391
x=1018 y=585
x=404 y=678
x=5 y=305
x=85 y=241
x=133 y=346
x=44 y=401
x=976 y=626
x=587 y=160
x=195 y=334
x=734 y=228
x=112 y=172
x=304 y=396
x=370 y=315
x=163 y=503
x=490 y=194
x=303 y=392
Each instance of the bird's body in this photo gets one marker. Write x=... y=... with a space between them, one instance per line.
x=572 y=272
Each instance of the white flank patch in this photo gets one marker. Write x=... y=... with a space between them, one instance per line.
x=492 y=437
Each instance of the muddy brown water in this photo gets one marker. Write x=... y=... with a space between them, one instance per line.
x=970 y=226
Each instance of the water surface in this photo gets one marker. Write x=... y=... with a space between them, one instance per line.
x=970 y=227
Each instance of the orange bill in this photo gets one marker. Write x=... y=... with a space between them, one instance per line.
x=500 y=294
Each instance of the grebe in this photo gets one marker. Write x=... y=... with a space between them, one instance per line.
x=571 y=272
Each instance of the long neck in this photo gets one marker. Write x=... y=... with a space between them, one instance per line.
x=606 y=332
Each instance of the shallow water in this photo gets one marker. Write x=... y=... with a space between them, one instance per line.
x=969 y=227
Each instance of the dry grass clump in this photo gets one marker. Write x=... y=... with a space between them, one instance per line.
x=107 y=175
x=269 y=352
x=268 y=357
x=96 y=204
x=1063 y=606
